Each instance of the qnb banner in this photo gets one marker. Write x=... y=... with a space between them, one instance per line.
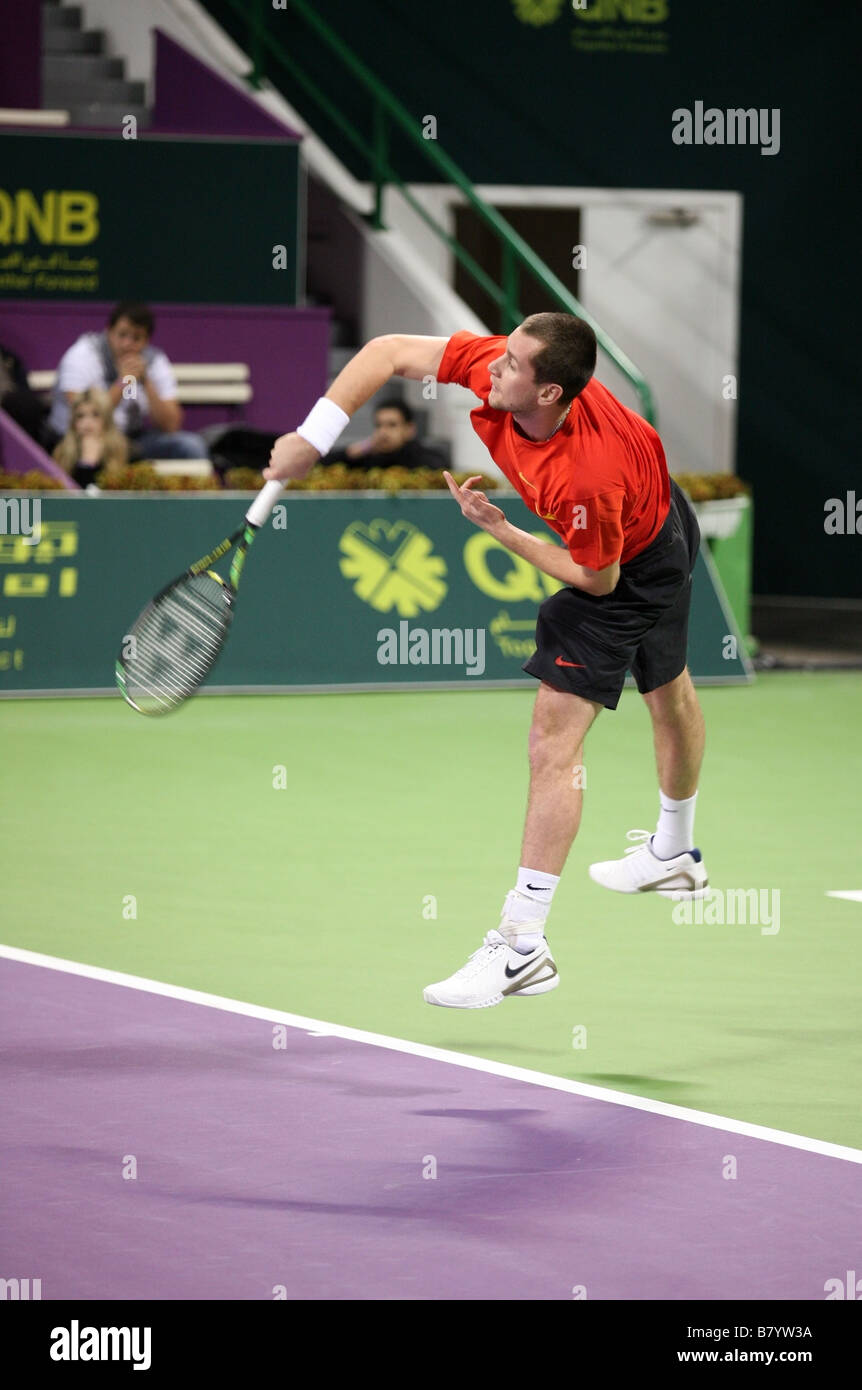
x=345 y=591
x=104 y=216
x=60 y=221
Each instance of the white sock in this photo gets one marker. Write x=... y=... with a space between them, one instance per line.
x=675 y=831
x=526 y=909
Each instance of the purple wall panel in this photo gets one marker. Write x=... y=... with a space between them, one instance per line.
x=285 y=349
x=21 y=454
x=191 y=99
x=21 y=53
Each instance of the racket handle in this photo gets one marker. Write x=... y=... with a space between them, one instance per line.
x=264 y=502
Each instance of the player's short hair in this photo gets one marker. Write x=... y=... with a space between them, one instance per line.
x=568 y=355
x=141 y=315
x=396 y=404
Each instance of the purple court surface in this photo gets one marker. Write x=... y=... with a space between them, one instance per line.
x=304 y=1170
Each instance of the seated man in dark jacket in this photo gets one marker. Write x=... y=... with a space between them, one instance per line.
x=393 y=443
x=16 y=398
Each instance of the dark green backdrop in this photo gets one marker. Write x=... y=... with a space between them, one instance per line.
x=317 y=592
x=164 y=219
x=584 y=100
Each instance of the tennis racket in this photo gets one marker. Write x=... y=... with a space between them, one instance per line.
x=173 y=645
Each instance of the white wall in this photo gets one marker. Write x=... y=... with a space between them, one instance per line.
x=668 y=296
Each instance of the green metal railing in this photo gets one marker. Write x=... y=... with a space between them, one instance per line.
x=389 y=113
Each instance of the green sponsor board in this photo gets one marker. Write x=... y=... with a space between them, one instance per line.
x=362 y=590
x=154 y=218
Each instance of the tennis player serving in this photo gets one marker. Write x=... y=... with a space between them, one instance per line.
x=596 y=473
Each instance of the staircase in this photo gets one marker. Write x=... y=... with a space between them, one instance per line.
x=78 y=76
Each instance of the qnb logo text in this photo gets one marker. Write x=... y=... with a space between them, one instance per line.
x=436 y=646
x=21 y=516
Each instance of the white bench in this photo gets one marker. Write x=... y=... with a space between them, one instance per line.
x=24 y=116
x=198 y=383
x=188 y=468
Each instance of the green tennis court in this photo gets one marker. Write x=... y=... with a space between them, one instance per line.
x=330 y=855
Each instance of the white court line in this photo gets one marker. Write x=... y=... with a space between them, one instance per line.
x=434 y=1054
x=854 y=894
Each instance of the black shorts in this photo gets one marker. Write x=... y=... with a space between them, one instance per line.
x=585 y=644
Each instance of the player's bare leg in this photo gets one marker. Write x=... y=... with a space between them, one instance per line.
x=667 y=861
x=679 y=736
x=560 y=724
x=515 y=960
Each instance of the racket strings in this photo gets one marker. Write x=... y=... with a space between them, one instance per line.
x=176 y=643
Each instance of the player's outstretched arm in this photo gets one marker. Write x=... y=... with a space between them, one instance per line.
x=395 y=354
x=409 y=355
x=549 y=558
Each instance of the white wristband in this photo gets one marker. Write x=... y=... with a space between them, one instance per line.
x=323 y=424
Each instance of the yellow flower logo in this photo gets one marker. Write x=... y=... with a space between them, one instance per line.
x=537 y=12
x=393 y=567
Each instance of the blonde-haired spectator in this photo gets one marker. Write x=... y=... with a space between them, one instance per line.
x=92 y=441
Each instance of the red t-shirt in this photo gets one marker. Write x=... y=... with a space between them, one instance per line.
x=601 y=482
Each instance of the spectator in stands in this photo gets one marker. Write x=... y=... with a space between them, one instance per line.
x=92 y=441
x=393 y=443
x=139 y=381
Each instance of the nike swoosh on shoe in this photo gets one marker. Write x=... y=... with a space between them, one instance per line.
x=510 y=974
x=531 y=978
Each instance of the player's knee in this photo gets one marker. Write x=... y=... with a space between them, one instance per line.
x=545 y=748
x=557 y=732
x=674 y=700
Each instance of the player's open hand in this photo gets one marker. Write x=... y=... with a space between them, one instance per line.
x=291 y=457
x=475 y=505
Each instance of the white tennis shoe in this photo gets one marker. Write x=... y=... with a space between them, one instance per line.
x=493 y=973
x=641 y=871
